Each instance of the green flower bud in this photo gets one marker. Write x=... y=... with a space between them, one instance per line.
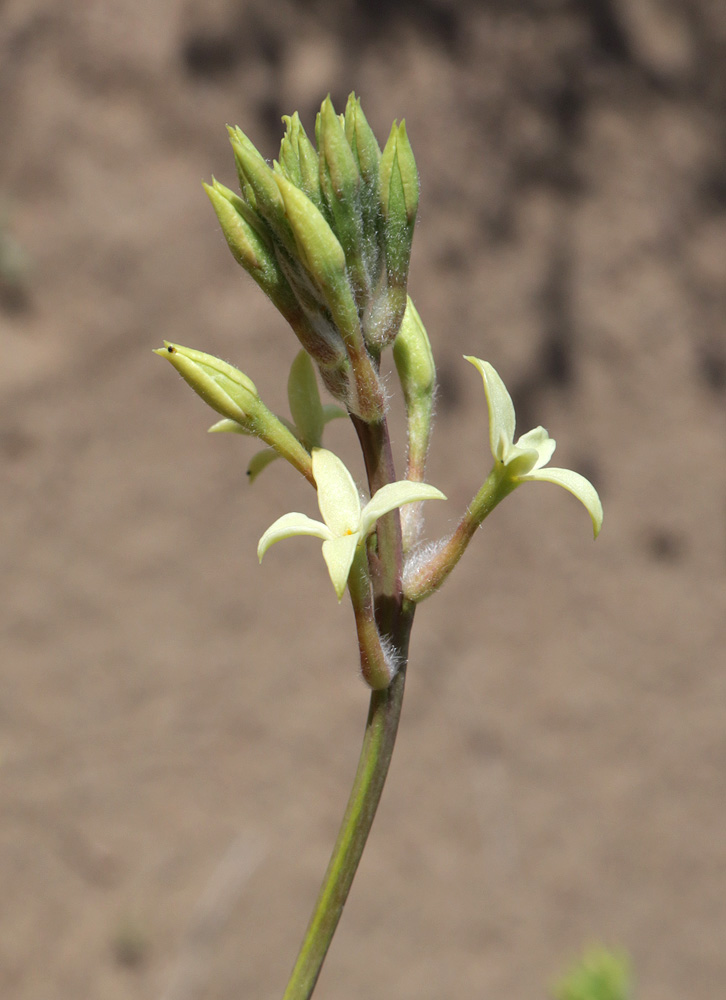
x=257 y=180
x=289 y=153
x=367 y=154
x=414 y=359
x=398 y=198
x=362 y=142
x=250 y=247
x=231 y=393
x=251 y=244
x=399 y=202
x=298 y=157
x=340 y=183
x=339 y=171
x=323 y=258
x=417 y=373
x=399 y=176
x=226 y=389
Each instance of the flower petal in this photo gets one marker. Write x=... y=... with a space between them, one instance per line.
x=289 y=525
x=579 y=487
x=541 y=442
x=338 y=554
x=338 y=497
x=521 y=461
x=501 y=409
x=395 y=495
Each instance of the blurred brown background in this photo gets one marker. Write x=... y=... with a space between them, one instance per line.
x=178 y=726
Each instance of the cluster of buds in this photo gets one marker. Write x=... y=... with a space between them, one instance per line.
x=326 y=233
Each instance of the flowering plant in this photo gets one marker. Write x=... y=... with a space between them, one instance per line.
x=326 y=233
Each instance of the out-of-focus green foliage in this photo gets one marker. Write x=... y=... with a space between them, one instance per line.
x=599 y=975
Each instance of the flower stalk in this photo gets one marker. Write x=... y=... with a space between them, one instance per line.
x=379 y=739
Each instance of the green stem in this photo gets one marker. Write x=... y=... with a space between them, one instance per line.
x=384 y=713
x=425 y=577
x=272 y=431
x=380 y=736
x=376 y=446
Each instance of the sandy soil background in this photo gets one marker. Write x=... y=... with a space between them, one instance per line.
x=178 y=726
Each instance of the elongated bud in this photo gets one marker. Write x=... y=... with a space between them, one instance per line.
x=300 y=160
x=250 y=241
x=415 y=361
x=226 y=389
x=367 y=154
x=258 y=184
x=340 y=184
x=399 y=202
x=339 y=170
x=398 y=197
x=362 y=142
x=249 y=246
x=417 y=372
x=321 y=254
x=289 y=153
x=232 y=394
x=399 y=177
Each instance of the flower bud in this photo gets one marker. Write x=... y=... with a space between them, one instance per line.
x=417 y=372
x=340 y=183
x=339 y=171
x=362 y=142
x=399 y=176
x=231 y=393
x=322 y=256
x=250 y=246
x=226 y=389
x=367 y=154
x=414 y=359
x=398 y=199
x=257 y=181
x=300 y=160
x=399 y=202
x=289 y=152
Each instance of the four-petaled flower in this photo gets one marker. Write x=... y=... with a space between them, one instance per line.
x=525 y=460
x=346 y=524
